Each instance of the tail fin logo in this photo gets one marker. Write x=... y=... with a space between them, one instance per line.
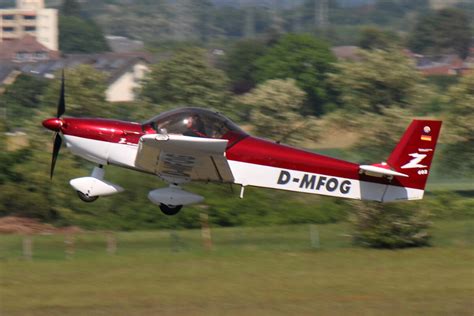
x=415 y=161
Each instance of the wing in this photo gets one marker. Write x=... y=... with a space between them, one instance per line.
x=178 y=158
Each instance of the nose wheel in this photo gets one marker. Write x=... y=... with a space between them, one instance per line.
x=170 y=209
x=86 y=198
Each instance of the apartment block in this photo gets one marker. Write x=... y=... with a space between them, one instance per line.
x=30 y=17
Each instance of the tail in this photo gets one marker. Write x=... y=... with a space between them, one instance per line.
x=413 y=154
x=409 y=163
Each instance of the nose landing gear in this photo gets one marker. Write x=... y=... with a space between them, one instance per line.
x=86 y=198
x=90 y=188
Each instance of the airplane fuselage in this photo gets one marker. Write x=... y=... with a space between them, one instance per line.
x=253 y=161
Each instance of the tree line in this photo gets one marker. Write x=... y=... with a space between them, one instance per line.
x=163 y=23
x=294 y=83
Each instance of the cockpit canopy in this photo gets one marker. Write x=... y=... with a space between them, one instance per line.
x=193 y=122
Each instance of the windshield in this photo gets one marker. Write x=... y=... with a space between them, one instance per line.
x=193 y=122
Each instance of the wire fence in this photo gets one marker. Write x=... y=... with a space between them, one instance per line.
x=82 y=244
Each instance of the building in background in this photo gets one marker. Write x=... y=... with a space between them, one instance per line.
x=30 y=17
x=121 y=44
x=25 y=50
x=124 y=71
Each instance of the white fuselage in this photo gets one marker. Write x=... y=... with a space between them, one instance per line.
x=124 y=155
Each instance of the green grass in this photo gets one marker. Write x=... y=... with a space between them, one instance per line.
x=450 y=185
x=251 y=271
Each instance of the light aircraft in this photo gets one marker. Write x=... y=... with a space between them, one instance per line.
x=194 y=144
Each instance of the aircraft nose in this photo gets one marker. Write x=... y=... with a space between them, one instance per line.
x=53 y=124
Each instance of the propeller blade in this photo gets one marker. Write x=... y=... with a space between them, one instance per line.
x=62 y=100
x=56 y=148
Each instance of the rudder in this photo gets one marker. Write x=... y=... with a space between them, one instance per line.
x=414 y=153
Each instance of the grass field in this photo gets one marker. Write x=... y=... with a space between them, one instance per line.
x=251 y=271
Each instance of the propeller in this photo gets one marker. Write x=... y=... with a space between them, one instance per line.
x=57 y=146
x=55 y=124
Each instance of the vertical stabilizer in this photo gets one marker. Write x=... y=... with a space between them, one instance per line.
x=413 y=154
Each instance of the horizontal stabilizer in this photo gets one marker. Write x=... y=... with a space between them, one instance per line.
x=380 y=170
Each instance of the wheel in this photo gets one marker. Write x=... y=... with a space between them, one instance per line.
x=170 y=209
x=86 y=198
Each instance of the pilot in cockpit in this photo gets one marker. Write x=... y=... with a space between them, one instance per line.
x=194 y=126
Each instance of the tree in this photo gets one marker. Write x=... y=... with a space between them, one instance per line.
x=186 y=79
x=70 y=8
x=383 y=79
x=77 y=34
x=385 y=90
x=85 y=92
x=3 y=153
x=391 y=225
x=240 y=64
x=151 y=20
x=379 y=138
x=446 y=31
x=305 y=59
x=203 y=11
x=21 y=99
x=375 y=38
x=457 y=156
x=274 y=111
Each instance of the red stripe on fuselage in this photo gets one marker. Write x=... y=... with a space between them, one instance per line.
x=262 y=152
x=112 y=131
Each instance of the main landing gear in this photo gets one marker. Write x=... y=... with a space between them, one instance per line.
x=170 y=209
x=171 y=199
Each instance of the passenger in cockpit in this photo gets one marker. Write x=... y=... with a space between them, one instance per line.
x=194 y=127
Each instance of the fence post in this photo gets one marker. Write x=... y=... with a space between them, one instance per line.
x=69 y=241
x=174 y=241
x=28 y=247
x=111 y=243
x=314 y=237
x=206 y=231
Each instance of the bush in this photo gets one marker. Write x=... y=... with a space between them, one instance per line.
x=391 y=226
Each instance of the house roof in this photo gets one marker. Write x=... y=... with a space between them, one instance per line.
x=28 y=44
x=440 y=65
x=5 y=71
x=114 y=64
x=346 y=52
